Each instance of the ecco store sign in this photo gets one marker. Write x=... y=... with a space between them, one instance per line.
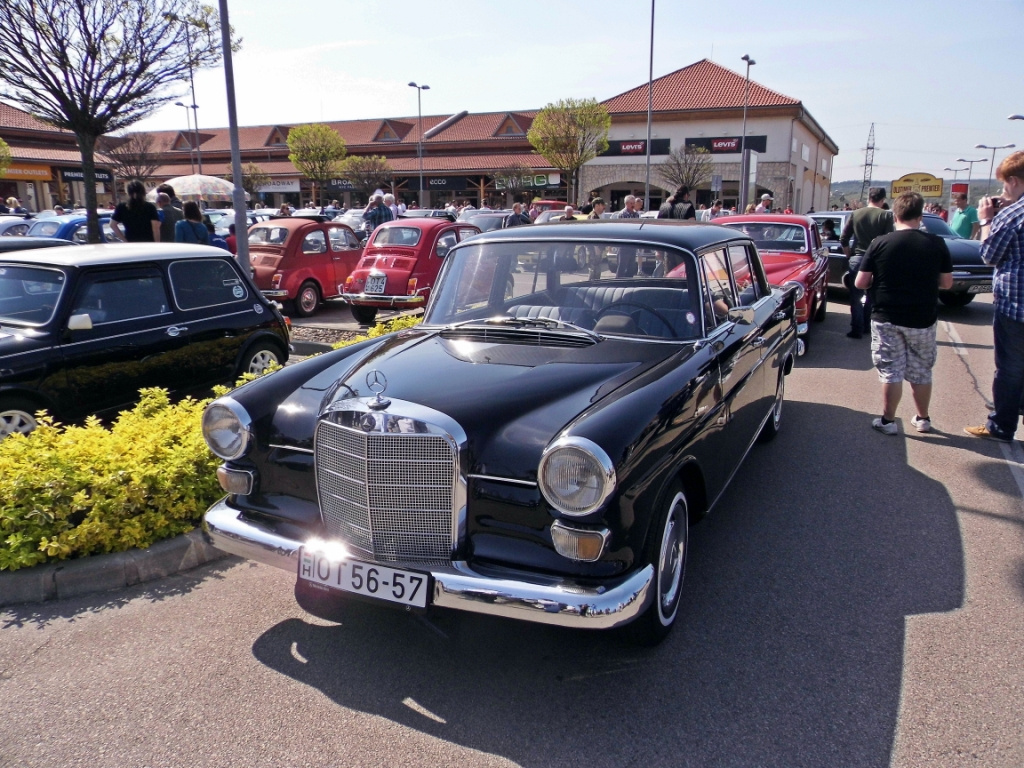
x=438 y=182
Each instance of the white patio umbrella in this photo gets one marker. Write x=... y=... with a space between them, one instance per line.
x=197 y=186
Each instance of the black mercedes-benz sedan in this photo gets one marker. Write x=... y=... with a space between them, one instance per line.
x=83 y=328
x=536 y=448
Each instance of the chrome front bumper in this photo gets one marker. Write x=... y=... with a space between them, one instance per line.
x=381 y=298
x=563 y=604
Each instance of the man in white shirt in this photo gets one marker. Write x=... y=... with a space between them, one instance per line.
x=765 y=206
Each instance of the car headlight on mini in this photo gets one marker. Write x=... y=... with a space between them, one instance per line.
x=575 y=475
x=227 y=428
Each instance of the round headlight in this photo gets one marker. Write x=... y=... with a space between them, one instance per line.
x=227 y=428
x=798 y=289
x=575 y=475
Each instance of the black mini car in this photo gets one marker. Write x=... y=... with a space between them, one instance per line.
x=83 y=328
x=536 y=448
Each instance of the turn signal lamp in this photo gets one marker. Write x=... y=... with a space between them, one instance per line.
x=235 y=481
x=275 y=281
x=578 y=544
x=411 y=289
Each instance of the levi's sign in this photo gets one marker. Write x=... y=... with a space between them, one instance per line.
x=728 y=145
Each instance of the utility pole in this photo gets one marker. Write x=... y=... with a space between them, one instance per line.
x=869 y=163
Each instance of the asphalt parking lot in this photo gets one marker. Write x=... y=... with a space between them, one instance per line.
x=853 y=600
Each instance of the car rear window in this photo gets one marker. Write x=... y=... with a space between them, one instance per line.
x=44 y=229
x=404 y=236
x=268 y=235
x=206 y=283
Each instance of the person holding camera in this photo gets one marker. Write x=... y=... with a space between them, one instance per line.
x=1002 y=245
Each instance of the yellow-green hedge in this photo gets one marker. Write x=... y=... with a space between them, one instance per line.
x=71 y=491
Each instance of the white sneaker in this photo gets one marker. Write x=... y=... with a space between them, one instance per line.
x=921 y=425
x=885 y=429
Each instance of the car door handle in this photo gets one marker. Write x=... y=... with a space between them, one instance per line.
x=779 y=316
x=176 y=330
x=760 y=341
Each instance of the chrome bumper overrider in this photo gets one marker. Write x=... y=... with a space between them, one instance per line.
x=457 y=586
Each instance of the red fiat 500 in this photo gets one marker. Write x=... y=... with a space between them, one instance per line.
x=792 y=251
x=302 y=260
x=400 y=264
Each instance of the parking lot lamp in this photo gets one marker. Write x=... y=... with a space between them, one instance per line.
x=744 y=181
x=970 y=168
x=1015 y=117
x=419 y=142
x=985 y=146
x=191 y=149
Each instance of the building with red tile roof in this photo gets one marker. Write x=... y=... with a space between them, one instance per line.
x=467 y=156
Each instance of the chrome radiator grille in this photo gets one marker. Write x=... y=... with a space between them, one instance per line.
x=389 y=496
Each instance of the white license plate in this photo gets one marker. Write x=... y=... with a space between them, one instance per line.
x=376 y=283
x=381 y=582
x=982 y=288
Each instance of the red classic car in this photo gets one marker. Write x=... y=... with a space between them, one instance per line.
x=400 y=264
x=792 y=251
x=302 y=260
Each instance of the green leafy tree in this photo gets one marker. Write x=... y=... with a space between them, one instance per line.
x=367 y=173
x=686 y=165
x=5 y=157
x=569 y=134
x=317 y=152
x=95 y=67
x=253 y=179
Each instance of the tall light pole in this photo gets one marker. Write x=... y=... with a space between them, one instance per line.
x=650 y=106
x=186 y=23
x=191 y=149
x=744 y=166
x=970 y=169
x=955 y=172
x=1015 y=117
x=985 y=146
x=419 y=142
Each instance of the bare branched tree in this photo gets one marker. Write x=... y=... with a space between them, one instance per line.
x=253 y=179
x=95 y=67
x=131 y=155
x=367 y=173
x=512 y=178
x=685 y=165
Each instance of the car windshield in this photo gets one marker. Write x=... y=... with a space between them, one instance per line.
x=405 y=236
x=772 y=236
x=268 y=235
x=29 y=295
x=604 y=287
x=937 y=226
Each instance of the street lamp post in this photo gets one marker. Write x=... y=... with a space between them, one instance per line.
x=955 y=172
x=1015 y=117
x=985 y=146
x=744 y=166
x=970 y=169
x=191 y=149
x=419 y=142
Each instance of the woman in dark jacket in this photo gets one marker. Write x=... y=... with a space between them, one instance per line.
x=191 y=228
x=138 y=216
x=678 y=206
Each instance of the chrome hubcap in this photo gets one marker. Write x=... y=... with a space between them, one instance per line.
x=261 y=361
x=779 y=396
x=308 y=300
x=19 y=422
x=672 y=558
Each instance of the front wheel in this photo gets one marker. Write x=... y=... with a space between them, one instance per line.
x=17 y=416
x=956 y=299
x=666 y=551
x=364 y=315
x=307 y=300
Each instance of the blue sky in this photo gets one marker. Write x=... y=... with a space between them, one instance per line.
x=936 y=78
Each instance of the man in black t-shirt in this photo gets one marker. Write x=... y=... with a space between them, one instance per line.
x=904 y=271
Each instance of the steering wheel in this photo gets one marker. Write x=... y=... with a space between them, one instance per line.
x=625 y=303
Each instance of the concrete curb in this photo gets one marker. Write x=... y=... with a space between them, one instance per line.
x=99 y=573
x=307 y=348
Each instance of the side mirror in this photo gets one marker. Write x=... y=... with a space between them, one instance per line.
x=744 y=315
x=80 y=323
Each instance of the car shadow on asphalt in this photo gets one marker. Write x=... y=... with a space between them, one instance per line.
x=788 y=649
x=43 y=614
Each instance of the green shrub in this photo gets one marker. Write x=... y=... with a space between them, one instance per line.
x=381 y=329
x=72 y=491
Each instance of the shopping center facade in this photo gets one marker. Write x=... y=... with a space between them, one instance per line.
x=471 y=157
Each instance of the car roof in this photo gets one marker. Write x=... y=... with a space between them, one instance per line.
x=20 y=243
x=682 y=234
x=115 y=253
x=427 y=223
x=769 y=218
